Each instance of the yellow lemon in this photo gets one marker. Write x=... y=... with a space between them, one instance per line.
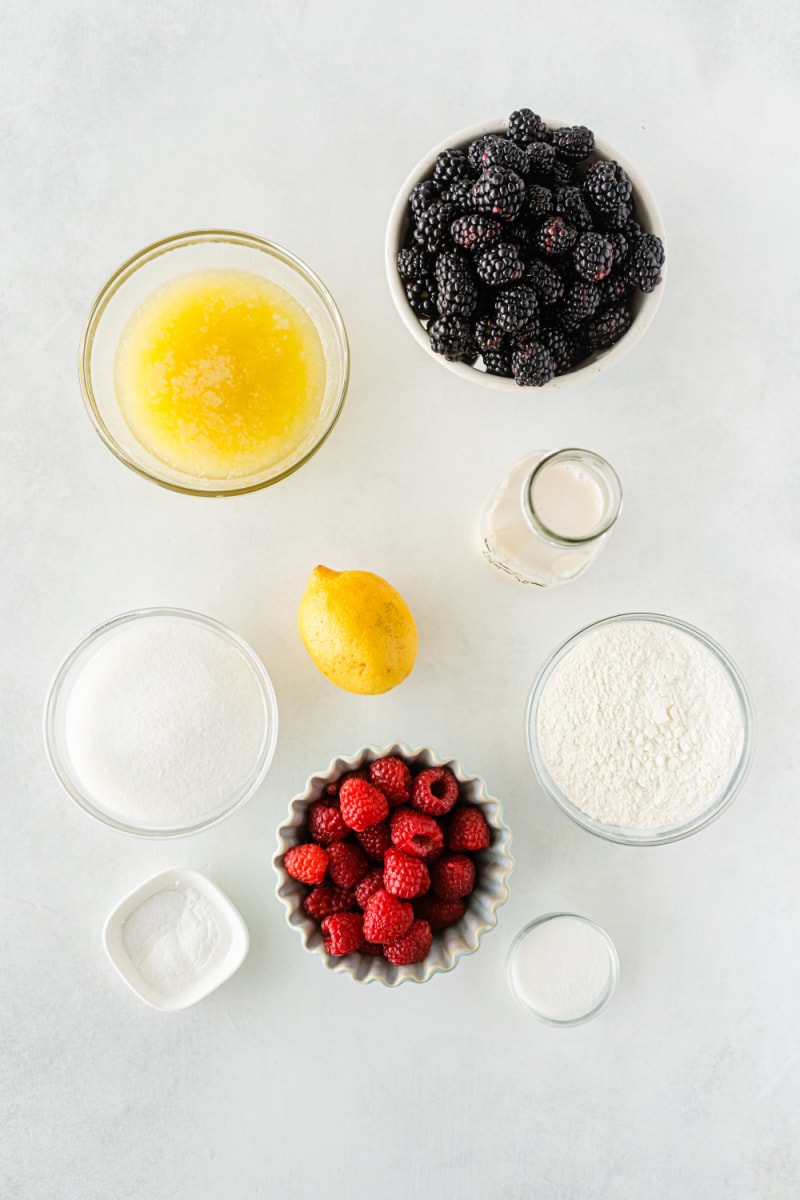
x=358 y=630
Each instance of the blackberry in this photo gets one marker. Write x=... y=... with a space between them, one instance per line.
x=573 y=143
x=547 y=281
x=644 y=262
x=488 y=335
x=421 y=295
x=615 y=218
x=500 y=264
x=476 y=231
x=450 y=336
x=413 y=263
x=499 y=191
x=608 y=326
x=541 y=160
x=433 y=227
x=619 y=244
x=497 y=362
x=493 y=150
x=556 y=237
x=566 y=348
x=568 y=202
x=593 y=256
x=580 y=302
x=606 y=186
x=456 y=292
x=539 y=201
x=532 y=364
x=450 y=165
x=515 y=307
x=519 y=232
x=564 y=172
x=421 y=197
x=459 y=194
x=525 y=126
x=613 y=288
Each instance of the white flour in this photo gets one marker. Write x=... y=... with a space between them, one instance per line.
x=639 y=725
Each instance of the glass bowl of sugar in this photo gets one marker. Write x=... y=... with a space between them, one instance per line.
x=640 y=728
x=161 y=722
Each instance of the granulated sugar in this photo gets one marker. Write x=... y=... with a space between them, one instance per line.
x=165 y=723
x=639 y=725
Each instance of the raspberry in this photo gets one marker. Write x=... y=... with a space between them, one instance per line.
x=326 y=899
x=307 y=863
x=344 y=932
x=404 y=875
x=416 y=834
x=468 y=830
x=370 y=884
x=386 y=918
x=362 y=804
x=412 y=946
x=453 y=876
x=347 y=864
x=439 y=913
x=435 y=791
x=376 y=840
x=325 y=824
x=334 y=788
x=393 y=778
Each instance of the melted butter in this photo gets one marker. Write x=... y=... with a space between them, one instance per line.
x=221 y=374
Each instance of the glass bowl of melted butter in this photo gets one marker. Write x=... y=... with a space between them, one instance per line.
x=214 y=363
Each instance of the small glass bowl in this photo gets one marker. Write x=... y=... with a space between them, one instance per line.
x=659 y=835
x=57 y=743
x=517 y=992
x=183 y=254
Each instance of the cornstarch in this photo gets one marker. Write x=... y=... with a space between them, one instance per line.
x=171 y=939
x=639 y=725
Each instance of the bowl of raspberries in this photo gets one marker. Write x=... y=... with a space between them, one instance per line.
x=392 y=864
x=525 y=253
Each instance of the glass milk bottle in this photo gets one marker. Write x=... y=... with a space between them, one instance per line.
x=549 y=518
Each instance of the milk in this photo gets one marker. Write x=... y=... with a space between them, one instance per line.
x=550 y=516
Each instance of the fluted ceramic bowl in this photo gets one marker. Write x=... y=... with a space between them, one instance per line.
x=643 y=305
x=494 y=865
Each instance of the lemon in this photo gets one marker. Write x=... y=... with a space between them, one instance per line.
x=358 y=630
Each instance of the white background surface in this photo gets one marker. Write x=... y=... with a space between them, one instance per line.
x=126 y=122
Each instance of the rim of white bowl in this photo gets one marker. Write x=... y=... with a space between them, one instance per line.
x=647 y=302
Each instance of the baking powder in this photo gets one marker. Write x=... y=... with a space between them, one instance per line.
x=639 y=725
x=171 y=939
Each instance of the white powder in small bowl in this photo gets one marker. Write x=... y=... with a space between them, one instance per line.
x=173 y=939
x=563 y=968
x=639 y=724
x=165 y=722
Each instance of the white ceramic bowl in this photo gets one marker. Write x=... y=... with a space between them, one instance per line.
x=494 y=867
x=226 y=958
x=644 y=305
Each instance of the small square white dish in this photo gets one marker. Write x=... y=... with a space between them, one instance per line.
x=175 y=939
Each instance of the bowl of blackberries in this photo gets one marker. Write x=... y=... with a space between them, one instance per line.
x=392 y=864
x=525 y=253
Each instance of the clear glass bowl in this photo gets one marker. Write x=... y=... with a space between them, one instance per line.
x=57 y=741
x=184 y=254
x=517 y=988
x=660 y=834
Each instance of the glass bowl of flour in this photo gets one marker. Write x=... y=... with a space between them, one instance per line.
x=640 y=729
x=161 y=722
